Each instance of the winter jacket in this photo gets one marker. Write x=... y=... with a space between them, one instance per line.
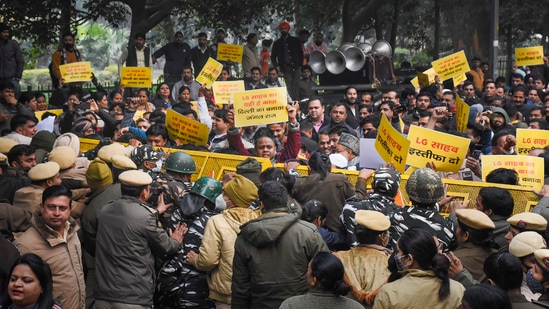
x=64 y=258
x=217 y=250
x=11 y=60
x=271 y=257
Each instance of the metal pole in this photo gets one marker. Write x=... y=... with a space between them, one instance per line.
x=494 y=35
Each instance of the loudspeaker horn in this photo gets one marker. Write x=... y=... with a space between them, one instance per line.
x=354 y=58
x=316 y=61
x=382 y=47
x=335 y=62
x=365 y=47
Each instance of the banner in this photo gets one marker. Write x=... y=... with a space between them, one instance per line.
x=462 y=115
x=229 y=52
x=223 y=91
x=76 y=72
x=39 y=114
x=446 y=151
x=262 y=106
x=391 y=145
x=136 y=77
x=530 y=169
x=209 y=73
x=529 y=55
x=430 y=74
x=530 y=139
x=454 y=65
x=185 y=129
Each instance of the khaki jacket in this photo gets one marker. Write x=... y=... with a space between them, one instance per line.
x=418 y=289
x=64 y=258
x=217 y=250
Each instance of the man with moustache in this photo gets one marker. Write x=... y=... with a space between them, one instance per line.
x=67 y=54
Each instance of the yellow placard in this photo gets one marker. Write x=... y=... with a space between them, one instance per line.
x=185 y=129
x=76 y=72
x=530 y=139
x=530 y=169
x=209 y=73
x=430 y=73
x=136 y=77
x=453 y=65
x=529 y=55
x=194 y=107
x=138 y=114
x=262 y=106
x=462 y=115
x=229 y=52
x=223 y=91
x=459 y=79
x=391 y=145
x=446 y=151
x=39 y=114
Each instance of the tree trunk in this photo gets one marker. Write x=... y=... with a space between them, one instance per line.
x=394 y=27
x=355 y=14
x=146 y=14
x=436 y=45
x=66 y=10
x=509 y=49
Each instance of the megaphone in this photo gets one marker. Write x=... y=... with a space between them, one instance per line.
x=354 y=59
x=365 y=47
x=316 y=61
x=382 y=47
x=335 y=62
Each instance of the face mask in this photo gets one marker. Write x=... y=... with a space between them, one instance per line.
x=220 y=203
x=534 y=285
x=158 y=166
x=399 y=264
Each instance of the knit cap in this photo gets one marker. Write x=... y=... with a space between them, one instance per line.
x=43 y=140
x=98 y=175
x=241 y=191
x=250 y=169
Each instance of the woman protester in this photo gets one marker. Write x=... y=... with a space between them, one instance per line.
x=163 y=98
x=425 y=282
x=325 y=276
x=29 y=285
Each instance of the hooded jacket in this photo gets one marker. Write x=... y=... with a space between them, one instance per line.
x=217 y=250
x=271 y=258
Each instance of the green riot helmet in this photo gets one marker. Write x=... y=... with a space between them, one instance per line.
x=181 y=162
x=208 y=188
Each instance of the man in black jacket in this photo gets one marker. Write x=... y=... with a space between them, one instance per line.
x=287 y=57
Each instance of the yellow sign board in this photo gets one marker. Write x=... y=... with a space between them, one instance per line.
x=138 y=114
x=430 y=74
x=529 y=139
x=185 y=129
x=454 y=65
x=136 y=77
x=209 y=73
x=262 y=106
x=529 y=55
x=39 y=114
x=76 y=72
x=446 y=151
x=391 y=145
x=229 y=52
x=462 y=115
x=530 y=169
x=459 y=79
x=223 y=91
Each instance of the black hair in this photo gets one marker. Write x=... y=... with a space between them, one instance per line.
x=313 y=209
x=187 y=111
x=255 y=69
x=273 y=195
x=421 y=245
x=541 y=123
x=350 y=87
x=139 y=35
x=157 y=129
x=485 y=296
x=25 y=97
x=267 y=43
x=222 y=114
x=329 y=271
x=183 y=88
x=18 y=151
x=263 y=132
x=499 y=135
x=42 y=271
x=502 y=175
x=390 y=103
x=480 y=237
x=250 y=36
x=202 y=34
x=338 y=129
x=504 y=269
x=19 y=121
x=306 y=67
x=131 y=190
x=56 y=191
x=366 y=236
x=373 y=119
x=6 y=85
x=498 y=200
x=320 y=163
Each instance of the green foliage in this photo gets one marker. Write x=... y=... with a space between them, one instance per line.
x=39 y=79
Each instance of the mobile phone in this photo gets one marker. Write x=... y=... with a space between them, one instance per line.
x=477 y=151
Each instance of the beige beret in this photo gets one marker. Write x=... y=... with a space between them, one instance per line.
x=122 y=162
x=542 y=257
x=106 y=152
x=135 y=178
x=475 y=219
x=6 y=145
x=372 y=220
x=526 y=243
x=64 y=156
x=528 y=221
x=44 y=171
